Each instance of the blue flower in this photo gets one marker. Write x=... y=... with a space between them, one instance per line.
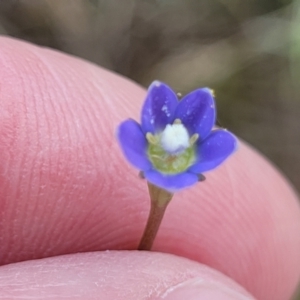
x=175 y=142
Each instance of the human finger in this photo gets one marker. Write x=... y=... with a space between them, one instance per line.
x=118 y=275
x=66 y=188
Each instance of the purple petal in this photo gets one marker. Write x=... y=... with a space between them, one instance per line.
x=159 y=107
x=197 y=112
x=214 y=150
x=171 y=183
x=134 y=144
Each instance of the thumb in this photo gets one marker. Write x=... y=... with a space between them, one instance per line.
x=116 y=275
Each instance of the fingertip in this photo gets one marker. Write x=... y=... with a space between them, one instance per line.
x=65 y=186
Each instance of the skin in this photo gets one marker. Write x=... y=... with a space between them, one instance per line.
x=65 y=188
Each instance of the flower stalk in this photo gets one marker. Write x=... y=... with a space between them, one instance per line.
x=160 y=199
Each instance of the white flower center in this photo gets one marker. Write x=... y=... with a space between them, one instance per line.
x=175 y=139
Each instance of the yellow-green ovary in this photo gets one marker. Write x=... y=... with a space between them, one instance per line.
x=169 y=163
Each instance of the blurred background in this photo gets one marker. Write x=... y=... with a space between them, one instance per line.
x=247 y=51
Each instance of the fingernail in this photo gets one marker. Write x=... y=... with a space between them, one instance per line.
x=199 y=289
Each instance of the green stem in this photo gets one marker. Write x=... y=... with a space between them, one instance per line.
x=160 y=199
